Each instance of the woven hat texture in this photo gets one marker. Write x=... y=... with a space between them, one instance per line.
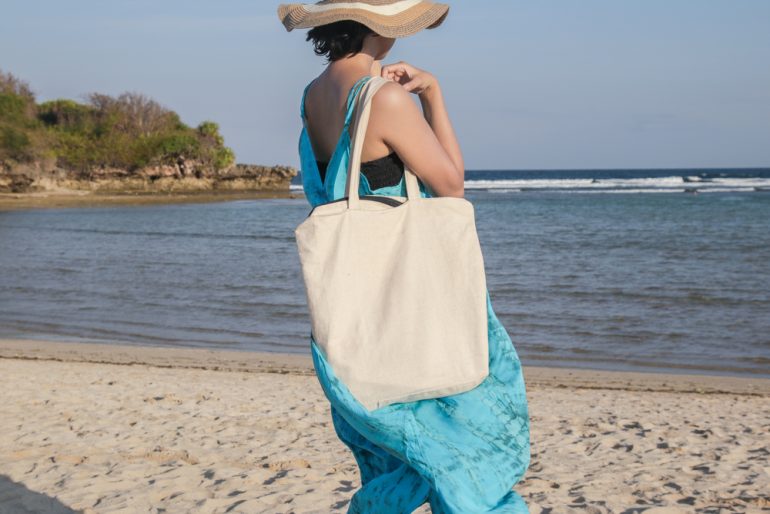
x=388 y=18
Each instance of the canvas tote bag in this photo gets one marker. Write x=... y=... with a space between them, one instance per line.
x=396 y=287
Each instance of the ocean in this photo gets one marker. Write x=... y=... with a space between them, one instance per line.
x=644 y=270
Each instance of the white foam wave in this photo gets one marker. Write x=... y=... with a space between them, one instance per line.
x=651 y=184
x=648 y=190
x=672 y=184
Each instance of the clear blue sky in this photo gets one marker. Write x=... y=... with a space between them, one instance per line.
x=558 y=84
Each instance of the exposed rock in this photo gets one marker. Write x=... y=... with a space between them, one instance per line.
x=249 y=176
x=14 y=183
x=184 y=176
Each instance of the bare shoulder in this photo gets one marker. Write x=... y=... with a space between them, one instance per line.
x=392 y=97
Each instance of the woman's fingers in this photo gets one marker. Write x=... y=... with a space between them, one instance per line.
x=398 y=69
x=388 y=74
x=393 y=75
x=411 y=78
x=386 y=71
x=412 y=85
x=393 y=67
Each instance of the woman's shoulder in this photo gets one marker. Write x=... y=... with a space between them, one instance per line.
x=391 y=96
x=394 y=112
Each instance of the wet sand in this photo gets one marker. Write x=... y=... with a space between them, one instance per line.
x=117 y=428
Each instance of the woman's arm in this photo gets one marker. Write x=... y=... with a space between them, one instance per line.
x=425 y=141
x=433 y=107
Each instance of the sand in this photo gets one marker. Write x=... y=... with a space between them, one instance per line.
x=107 y=428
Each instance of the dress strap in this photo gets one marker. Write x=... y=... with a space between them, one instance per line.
x=352 y=96
x=302 y=104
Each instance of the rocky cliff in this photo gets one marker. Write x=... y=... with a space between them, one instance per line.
x=184 y=176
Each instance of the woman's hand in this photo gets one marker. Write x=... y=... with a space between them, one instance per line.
x=412 y=79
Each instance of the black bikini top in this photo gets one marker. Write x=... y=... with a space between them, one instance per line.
x=382 y=172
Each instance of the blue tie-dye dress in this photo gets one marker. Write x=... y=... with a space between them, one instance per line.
x=462 y=453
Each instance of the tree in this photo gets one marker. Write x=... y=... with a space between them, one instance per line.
x=129 y=132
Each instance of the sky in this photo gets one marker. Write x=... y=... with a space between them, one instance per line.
x=563 y=84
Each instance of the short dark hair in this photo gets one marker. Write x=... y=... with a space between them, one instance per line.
x=338 y=39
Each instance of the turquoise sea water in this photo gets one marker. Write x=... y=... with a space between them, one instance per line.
x=607 y=269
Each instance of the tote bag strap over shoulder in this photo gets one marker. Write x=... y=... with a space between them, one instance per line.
x=397 y=293
x=361 y=123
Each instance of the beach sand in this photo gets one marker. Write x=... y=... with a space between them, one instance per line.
x=107 y=428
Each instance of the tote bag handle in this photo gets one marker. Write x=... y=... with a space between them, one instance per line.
x=363 y=110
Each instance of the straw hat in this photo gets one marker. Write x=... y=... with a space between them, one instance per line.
x=388 y=18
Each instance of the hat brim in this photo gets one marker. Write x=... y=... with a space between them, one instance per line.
x=424 y=15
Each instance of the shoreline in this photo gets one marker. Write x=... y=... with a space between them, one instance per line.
x=297 y=364
x=54 y=200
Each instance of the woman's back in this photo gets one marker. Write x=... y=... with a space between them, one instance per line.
x=325 y=109
x=324 y=156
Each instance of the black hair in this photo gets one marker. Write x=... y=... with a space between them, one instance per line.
x=338 y=39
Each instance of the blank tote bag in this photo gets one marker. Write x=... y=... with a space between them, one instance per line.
x=395 y=287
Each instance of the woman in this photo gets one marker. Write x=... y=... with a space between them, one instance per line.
x=461 y=453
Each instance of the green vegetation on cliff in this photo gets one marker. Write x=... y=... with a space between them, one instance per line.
x=128 y=132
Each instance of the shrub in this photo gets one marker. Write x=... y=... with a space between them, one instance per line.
x=66 y=114
x=130 y=131
x=14 y=144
